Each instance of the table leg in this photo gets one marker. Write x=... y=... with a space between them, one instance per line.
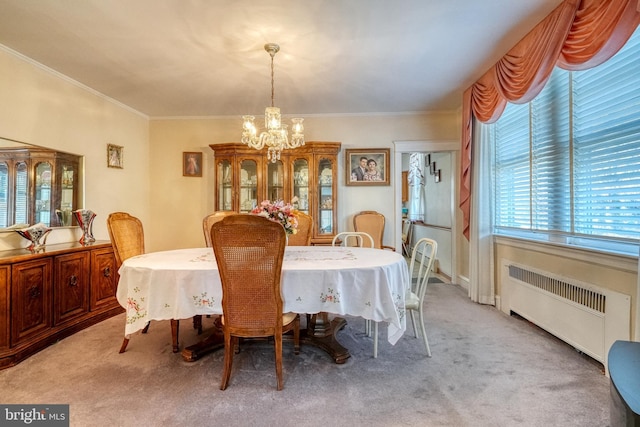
x=213 y=342
x=320 y=332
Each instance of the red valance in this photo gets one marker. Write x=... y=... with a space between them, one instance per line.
x=577 y=35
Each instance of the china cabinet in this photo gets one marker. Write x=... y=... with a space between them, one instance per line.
x=48 y=295
x=37 y=185
x=245 y=177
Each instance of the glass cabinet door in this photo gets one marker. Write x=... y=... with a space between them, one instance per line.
x=224 y=180
x=43 y=193
x=22 y=194
x=67 y=194
x=248 y=185
x=325 y=197
x=275 y=181
x=301 y=184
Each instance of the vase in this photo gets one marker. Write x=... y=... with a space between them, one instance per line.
x=36 y=234
x=85 y=221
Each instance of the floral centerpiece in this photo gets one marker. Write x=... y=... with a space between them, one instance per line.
x=281 y=212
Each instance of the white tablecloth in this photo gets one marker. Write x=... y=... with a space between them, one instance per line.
x=179 y=284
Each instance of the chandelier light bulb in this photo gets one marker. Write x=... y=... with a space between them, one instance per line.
x=275 y=136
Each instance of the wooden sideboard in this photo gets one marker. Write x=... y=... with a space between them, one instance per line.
x=51 y=294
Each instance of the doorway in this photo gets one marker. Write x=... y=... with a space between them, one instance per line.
x=446 y=236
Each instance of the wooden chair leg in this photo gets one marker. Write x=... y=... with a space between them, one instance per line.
x=296 y=335
x=175 y=330
x=278 y=351
x=228 y=360
x=123 y=347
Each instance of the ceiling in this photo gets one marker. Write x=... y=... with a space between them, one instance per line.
x=186 y=58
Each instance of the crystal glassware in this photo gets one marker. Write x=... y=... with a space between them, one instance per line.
x=85 y=219
x=36 y=234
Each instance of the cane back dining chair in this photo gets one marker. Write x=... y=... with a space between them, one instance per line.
x=127 y=238
x=371 y=222
x=211 y=219
x=249 y=251
x=304 y=230
x=420 y=269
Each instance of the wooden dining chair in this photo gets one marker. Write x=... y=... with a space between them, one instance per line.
x=211 y=219
x=127 y=238
x=249 y=251
x=304 y=231
x=371 y=222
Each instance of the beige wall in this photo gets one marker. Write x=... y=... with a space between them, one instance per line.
x=179 y=203
x=45 y=108
x=40 y=107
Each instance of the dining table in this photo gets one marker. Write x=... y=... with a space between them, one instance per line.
x=316 y=280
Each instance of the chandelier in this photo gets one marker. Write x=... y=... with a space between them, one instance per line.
x=275 y=136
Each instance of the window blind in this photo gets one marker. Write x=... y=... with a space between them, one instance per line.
x=568 y=162
x=606 y=116
x=512 y=172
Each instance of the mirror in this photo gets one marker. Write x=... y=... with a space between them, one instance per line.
x=37 y=184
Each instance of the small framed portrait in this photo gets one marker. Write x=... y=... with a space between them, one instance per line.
x=191 y=163
x=367 y=166
x=114 y=156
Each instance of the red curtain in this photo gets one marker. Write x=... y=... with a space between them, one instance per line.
x=577 y=35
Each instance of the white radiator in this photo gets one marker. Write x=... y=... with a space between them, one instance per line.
x=585 y=316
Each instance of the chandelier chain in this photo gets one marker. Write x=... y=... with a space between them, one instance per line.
x=275 y=137
x=272 y=80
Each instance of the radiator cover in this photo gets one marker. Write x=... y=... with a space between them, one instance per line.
x=587 y=317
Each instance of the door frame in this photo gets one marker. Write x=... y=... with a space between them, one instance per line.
x=428 y=146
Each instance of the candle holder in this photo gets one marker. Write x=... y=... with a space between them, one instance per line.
x=85 y=218
x=36 y=234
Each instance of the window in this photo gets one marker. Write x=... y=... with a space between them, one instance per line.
x=566 y=166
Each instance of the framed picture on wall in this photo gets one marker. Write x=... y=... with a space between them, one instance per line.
x=191 y=163
x=114 y=156
x=367 y=166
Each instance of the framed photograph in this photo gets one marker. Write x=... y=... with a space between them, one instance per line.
x=436 y=176
x=367 y=166
x=114 y=156
x=191 y=163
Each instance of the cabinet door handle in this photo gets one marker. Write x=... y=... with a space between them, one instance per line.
x=34 y=292
x=73 y=280
x=106 y=272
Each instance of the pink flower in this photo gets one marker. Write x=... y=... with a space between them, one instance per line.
x=280 y=212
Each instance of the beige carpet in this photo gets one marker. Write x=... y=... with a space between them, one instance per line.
x=487 y=369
